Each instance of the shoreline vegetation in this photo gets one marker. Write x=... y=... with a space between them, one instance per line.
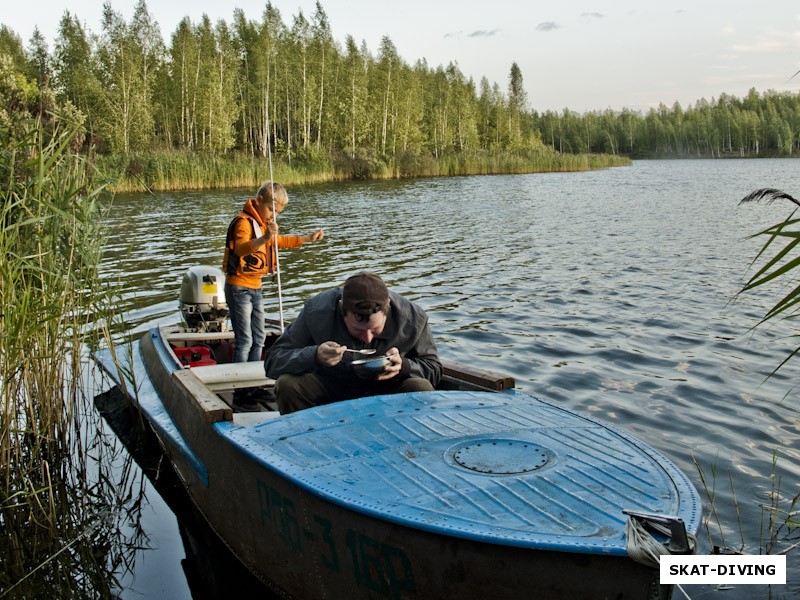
x=206 y=105
x=173 y=171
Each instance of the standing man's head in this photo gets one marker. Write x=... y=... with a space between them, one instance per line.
x=268 y=192
x=365 y=305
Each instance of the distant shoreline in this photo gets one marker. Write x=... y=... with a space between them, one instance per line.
x=175 y=170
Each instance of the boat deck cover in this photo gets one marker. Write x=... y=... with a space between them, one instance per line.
x=504 y=468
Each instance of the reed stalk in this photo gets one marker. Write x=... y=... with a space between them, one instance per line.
x=779 y=531
x=777 y=260
x=56 y=505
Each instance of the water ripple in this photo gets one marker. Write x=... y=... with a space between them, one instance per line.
x=608 y=291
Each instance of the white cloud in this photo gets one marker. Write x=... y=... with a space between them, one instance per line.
x=548 y=26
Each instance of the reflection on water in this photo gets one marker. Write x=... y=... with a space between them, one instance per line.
x=88 y=532
x=608 y=291
x=211 y=571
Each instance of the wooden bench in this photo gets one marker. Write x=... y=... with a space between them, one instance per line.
x=254 y=418
x=175 y=337
x=455 y=374
x=232 y=376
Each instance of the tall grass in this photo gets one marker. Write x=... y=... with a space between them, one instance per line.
x=161 y=171
x=173 y=170
x=55 y=498
x=780 y=517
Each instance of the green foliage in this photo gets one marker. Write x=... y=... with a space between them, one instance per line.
x=258 y=86
x=783 y=240
x=175 y=170
x=51 y=509
x=76 y=75
x=758 y=125
x=171 y=170
x=18 y=98
x=11 y=45
x=253 y=86
x=129 y=57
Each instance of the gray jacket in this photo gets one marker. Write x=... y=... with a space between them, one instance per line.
x=321 y=321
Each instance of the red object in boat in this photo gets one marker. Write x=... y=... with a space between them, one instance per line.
x=195 y=356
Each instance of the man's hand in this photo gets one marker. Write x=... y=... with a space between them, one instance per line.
x=329 y=354
x=393 y=368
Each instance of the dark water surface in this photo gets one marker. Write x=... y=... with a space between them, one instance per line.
x=609 y=291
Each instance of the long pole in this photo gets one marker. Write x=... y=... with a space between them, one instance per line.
x=274 y=216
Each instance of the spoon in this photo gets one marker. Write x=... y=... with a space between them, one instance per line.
x=362 y=351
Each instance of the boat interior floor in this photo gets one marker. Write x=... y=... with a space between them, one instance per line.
x=265 y=402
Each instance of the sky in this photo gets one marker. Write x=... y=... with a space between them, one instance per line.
x=573 y=54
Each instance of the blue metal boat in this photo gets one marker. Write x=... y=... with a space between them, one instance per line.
x=476 y=490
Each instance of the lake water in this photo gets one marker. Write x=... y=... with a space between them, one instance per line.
x=611 y=292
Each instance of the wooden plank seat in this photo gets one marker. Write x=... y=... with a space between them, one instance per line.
x=232 y=376
x=454 y=372
x=175 y=337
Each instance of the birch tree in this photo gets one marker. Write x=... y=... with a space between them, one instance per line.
x=184 y=73
x=354 y=97
x=245 y=40
x=224 y=110
x=388 y=64
x=74 y=69
x=128 y=57
x=266 y=57
x=324 y=52
x=517 y=101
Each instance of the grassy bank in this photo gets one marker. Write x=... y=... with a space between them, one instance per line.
x=161 y=171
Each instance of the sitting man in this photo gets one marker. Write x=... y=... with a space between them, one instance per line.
x=310 y=361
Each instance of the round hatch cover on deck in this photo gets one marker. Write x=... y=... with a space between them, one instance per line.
x=501 y=457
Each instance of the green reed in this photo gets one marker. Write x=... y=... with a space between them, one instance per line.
x=780 y=516
x=777 y=261
x=161 y=171
x=56 y=498
x=776 y=267
x=173 y=170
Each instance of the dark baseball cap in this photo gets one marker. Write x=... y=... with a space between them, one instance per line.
x=365 y=293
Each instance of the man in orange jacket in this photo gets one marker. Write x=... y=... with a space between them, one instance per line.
x=250 y=254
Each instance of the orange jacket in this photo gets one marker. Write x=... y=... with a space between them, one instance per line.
x=242 y=265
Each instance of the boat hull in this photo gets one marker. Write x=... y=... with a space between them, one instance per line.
x=305 y=543
x=310 y=548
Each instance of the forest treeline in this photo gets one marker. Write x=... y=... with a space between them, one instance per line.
x=251 y=88
x=765 y=124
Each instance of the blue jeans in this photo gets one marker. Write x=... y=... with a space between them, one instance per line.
x=246 y=308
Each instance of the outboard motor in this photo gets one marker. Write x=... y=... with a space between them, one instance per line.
x=202 y=299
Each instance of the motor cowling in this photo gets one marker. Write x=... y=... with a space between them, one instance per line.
x=202 y=299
